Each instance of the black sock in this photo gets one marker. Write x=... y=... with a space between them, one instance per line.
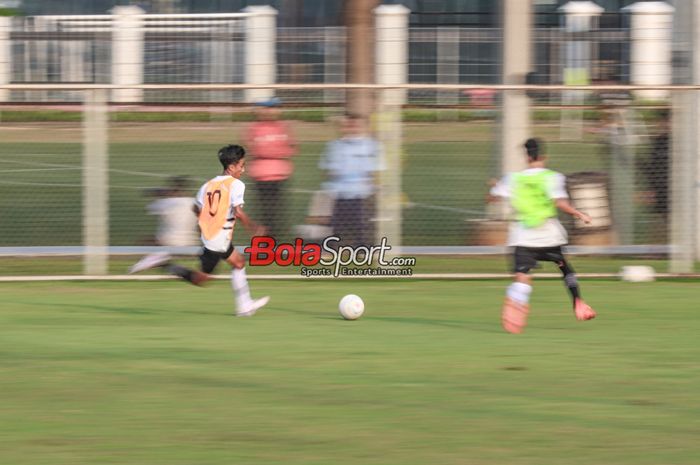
x=181 y=271
x=570 y=281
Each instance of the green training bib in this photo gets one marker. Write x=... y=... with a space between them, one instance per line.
x=530 y=198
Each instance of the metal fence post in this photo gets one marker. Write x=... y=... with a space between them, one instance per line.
x=5 y=56
x=392 y=68
x=693 y=184
x=517 y=30
x=651 y=28
x=260 y=48
x=684 y=140
x=127 y=52
x=95 y=183
x=683 y=172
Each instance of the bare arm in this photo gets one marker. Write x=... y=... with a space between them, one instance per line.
x=254 y=228
x=566 y=207
x=489 y=197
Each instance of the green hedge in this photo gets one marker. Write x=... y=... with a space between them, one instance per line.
x=308 y=115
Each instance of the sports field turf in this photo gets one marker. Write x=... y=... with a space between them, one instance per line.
x=161 y=373
x=431 y=264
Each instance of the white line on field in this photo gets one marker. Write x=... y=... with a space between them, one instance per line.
x=46 y=184
x=31 y=170
x=58 y=166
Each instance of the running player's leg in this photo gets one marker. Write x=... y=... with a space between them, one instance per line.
x=245 y=305
x=207 y=261
x=517 y=301
x=581 y=309
x=164 y=261
x=569 y=276
x=154 y=260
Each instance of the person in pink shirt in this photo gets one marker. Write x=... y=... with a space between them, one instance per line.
x=272 y=146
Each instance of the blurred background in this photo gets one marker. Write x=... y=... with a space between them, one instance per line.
x=108 y=109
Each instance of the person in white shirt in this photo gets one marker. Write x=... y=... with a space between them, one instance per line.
x=536 y=194
x=218 y=205
x=350 y=165
x=177 y=226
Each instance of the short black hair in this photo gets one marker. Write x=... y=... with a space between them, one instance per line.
x=230 y=155
x=534 y=148
x=354 y=116
x=178 y=183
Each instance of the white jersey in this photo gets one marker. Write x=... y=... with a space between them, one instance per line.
x=217 y=200
x=551 y=233
x=178 y=223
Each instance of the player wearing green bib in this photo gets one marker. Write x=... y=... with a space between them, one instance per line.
x=536 y=194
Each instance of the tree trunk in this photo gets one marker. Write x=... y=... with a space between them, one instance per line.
x=359 y=20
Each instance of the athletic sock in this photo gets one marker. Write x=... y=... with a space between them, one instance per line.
x=572 y=285
x=239 y=282
x=519 y=292
x=570 y=281
x=181 y=271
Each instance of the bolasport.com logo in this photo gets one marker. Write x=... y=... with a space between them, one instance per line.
x=329 y=258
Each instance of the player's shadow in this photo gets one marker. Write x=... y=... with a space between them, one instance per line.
x=131 y=311
x=100 y=308
x=313 y=314
x=452 y=324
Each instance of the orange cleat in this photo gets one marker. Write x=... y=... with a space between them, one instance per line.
x=583 y=311
x=514 y=316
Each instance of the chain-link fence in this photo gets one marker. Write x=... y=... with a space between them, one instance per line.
x=311 y=174
x=154 y=96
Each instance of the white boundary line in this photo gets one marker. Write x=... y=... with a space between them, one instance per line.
x=295 y=277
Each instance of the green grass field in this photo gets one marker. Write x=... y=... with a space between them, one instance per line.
x=161 y=373
x=433 y=264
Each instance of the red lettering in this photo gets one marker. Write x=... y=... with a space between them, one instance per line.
x=261 y=250
x=298 y=251
x=264 y=250
x=311 y=255
x=280 y=257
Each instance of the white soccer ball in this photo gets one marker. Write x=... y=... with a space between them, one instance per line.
x=638 y=274
x=351 y=307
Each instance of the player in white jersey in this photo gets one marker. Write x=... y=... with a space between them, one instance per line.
x=536 y=194
x=177 y=227
x=218 y=205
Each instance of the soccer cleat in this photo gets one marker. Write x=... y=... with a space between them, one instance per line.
x=150 y=261
x=583 y=311
x=514 y=316
x=253 y=307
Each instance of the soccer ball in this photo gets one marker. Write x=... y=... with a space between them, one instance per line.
x=351 y=307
